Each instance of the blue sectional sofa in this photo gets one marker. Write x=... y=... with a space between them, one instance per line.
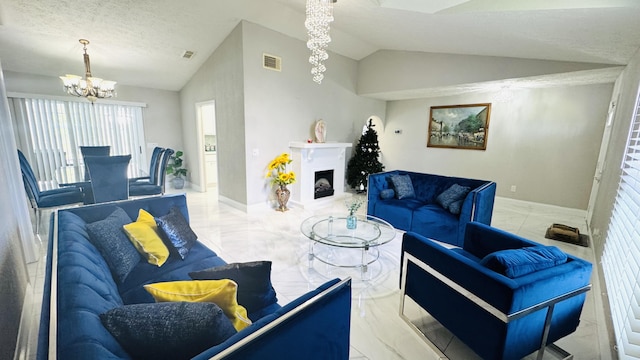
x=81 y=286
x=502 y=295
x=420 y=204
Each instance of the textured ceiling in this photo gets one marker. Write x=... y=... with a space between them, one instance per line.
x=140 y=42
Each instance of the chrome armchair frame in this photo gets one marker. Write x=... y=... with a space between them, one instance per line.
x=506 y=318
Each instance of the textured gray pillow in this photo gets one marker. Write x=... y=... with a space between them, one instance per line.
x=176 y=232
x=168 y=330
x=403 y=186
x=453 y=194
x=109 y=238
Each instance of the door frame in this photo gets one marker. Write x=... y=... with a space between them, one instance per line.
x=200 y=143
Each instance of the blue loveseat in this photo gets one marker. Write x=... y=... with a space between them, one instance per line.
x=502 y=295
x=79 y=287
x=420 y=210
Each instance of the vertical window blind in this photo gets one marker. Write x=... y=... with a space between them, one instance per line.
x=50 y=133
x=621 y=256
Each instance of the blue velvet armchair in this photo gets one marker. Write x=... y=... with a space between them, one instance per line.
x=495 y=311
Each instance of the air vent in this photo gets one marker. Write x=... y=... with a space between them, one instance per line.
x=271 y=62
x=188 y=54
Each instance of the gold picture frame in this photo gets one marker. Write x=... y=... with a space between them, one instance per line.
x=459 y=126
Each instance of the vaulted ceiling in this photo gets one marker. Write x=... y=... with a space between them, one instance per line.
x=141 y=42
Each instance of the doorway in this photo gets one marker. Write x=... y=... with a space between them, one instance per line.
x=207 y=134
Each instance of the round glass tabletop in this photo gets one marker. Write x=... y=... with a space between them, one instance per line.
x=332 y=230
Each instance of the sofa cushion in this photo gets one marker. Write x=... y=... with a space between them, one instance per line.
x=387 y=194
x=177 y=330
x=518 y=262
x=253 y=278
x=403 y=186
x=221 y=292
x=109 y=238
x=143 y=233
x=176 y=232
x=451 y=199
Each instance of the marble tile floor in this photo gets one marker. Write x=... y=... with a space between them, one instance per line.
x=377 y=332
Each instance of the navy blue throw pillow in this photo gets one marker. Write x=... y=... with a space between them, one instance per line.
x=168 y=330
x=176 y=232
x=387 y=194
x=109 y=238
x=403 y=186
x=448 y=197
x=518 y=262
x=255 y=291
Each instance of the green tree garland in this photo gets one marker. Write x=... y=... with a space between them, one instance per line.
x=365 y=160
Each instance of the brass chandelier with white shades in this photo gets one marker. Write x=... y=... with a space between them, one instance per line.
x=319 y=16
x=92 y=88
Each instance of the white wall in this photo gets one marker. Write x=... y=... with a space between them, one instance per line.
x=543 y=141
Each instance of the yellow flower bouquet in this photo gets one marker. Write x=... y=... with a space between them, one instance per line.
x=277 y=171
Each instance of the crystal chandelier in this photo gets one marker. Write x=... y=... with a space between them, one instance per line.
x=92 y=88
x=319 y=16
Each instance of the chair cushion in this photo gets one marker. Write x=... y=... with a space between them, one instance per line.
x=109 y=238
x=221 y=292
x=403 y=186
x=451 y=199
x=143 y=233
x=177 y=330
x=518 y=262
x=253 y=278
x=175 y=230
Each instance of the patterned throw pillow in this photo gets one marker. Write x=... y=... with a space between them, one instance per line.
x=109 y=238
x=403 y=186
x=171 y=330
x=176 y=232
x=451 y=199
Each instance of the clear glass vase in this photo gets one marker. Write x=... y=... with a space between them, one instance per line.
x=352 y=222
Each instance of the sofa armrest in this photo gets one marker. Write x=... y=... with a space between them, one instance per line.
x=375 y=184
x=314 y=326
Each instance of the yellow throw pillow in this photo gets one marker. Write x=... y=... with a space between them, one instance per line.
x=144 y=236
x=221 y=292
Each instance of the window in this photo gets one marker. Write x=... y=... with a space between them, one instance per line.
x=50 y=133
x=621 y=257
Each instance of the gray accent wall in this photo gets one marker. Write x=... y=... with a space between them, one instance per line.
x=544 y=141
x=259 y=111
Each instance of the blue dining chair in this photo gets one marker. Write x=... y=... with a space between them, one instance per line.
x=93 y=151
x=39 y=200
x=158 y=186
x=156 y=156
x=108 y=174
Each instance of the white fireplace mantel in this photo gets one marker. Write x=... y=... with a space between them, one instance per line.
x=311 y=157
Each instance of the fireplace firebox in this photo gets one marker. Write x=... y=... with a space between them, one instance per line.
x=323 y=184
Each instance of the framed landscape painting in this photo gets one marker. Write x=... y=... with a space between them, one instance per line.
x=459 y=126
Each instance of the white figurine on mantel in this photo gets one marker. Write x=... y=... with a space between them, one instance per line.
x=321 y=131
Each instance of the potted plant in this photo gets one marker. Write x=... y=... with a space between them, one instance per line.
x=174 y=167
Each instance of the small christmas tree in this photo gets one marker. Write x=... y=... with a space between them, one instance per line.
x=365 y=160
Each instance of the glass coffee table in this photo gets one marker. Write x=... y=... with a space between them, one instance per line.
x=334 y=244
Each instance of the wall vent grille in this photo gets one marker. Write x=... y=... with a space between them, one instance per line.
x=271 y=62
x=188 y=54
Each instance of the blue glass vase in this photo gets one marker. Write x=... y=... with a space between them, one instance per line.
x=352 y=222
